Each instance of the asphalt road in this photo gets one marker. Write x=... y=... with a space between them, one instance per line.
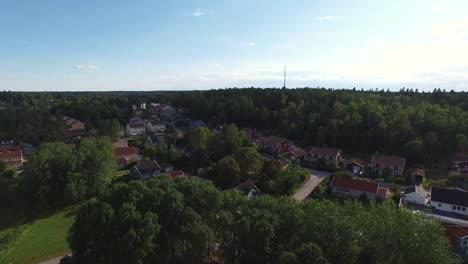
x=315 y=179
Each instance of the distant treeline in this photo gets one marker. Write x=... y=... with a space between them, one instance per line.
x=423 y=126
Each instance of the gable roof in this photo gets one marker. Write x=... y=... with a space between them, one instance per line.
x=323 y=151
x=353 y=184
x=449 y=196
x=388 y=160
x=249 y=131
x=382 y=191
x=457 y=231
x=297 y=152
x=357 y=161
x=147 y=167
x=136 y=120
x=247 y=186
x=125 y=151
x=11 y=154
x=274 y=140
x=419 y=172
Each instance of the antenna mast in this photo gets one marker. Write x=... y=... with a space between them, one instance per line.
x=284 y=84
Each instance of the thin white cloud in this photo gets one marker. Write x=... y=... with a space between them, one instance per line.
x=324 y=18
x=197 y=13
x=85 y=67
x=252 y=43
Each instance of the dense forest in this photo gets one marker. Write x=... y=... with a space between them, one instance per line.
x=426 y=126
x=191 y=221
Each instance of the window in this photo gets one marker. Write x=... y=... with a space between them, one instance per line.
x=454 y=207
x=463 y=209
x=465 y=242
x=439 y=205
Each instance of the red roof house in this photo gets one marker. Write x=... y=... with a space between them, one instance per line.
x=458 y=237
x=276 y=144
x=126 y=155
x=252 y=134
x=394 y=164
x=12 y=158
x=357 y=188
x=328 y=155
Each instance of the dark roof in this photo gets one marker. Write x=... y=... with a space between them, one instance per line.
x=449 y=196
x=148 y=167
x=410 y=189
x=8 y=147
x=274 y=140
x=388 y=160
x=353 y=184
x=357 y=161
x=135 y=125
x=249 y=131
x=247 y=186
x=328 y=152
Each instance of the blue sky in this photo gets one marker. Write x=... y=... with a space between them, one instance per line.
x=71 y=45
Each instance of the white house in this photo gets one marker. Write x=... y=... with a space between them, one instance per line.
x=450 y=200
x=136 y=126
x=415 y=195
x=135 y=129
x=155 y=126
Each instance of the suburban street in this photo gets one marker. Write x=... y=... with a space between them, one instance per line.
x=315 y=179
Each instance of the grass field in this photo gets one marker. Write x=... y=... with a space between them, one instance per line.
x=40 y=240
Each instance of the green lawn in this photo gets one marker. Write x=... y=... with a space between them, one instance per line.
x=40 y=240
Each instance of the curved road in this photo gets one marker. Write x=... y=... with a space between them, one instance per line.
x=316 y=177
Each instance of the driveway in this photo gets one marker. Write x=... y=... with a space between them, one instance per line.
x=53 y=261
x=316 y=177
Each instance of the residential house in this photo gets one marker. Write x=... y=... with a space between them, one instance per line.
x=327 y=155
x=119 y=143
x=276 y=145
x=9 y=145
x=418 y=175
x=344 y=187
x=415 y=195
x=145 y=170
x=12 y=158
x=460 y=164
x=74 y=128
x=73 y=124
x=176 y=174
x=357 y=166
x=196 y=124
x=296 y=154
x=458 y=237
x=154 y=126
x=249 y=189
x=126 y=155
x=450 y=200
x=167 y=113
x=392 y=164
x=135 y=126
x=253 y=135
